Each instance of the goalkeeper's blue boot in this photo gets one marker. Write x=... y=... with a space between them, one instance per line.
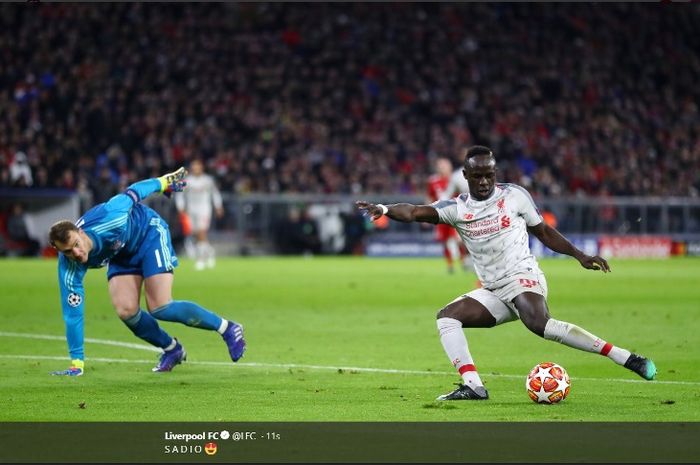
x=171 y=357
x=234 y=340
x=464 y=392
x=642 y=366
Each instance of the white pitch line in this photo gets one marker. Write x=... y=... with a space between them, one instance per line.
x=284 y=365
x=50 y=337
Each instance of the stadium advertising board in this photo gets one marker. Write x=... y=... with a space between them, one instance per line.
x=692 y=248
x=635 y=246
x=423 y=245
x=403 y=245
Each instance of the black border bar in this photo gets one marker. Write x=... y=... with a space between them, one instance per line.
x=350 y=442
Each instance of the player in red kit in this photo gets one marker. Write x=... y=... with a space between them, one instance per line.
x=446 y=234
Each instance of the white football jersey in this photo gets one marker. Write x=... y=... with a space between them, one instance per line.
x=199 y=195
x=494 y=231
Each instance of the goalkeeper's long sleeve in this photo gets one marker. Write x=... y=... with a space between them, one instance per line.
x=70 y=282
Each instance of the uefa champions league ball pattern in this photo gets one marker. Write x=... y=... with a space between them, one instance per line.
x=548 y=383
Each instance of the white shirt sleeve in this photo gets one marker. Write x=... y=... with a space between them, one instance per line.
x=526 y=206
x=215 y=194
x=447 y=211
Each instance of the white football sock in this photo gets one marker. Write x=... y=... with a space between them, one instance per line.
x=201 y=250
x=211 y=251
x=190 y=248
x=455 y=344
x=578 y=338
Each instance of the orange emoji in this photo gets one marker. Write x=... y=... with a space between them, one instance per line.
x=210 y=448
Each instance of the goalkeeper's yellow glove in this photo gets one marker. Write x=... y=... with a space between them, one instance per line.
x=173 y=182
x=77 y=367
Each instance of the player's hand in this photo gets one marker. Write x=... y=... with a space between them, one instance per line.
x=76 y=369
x=594 y=263
x=369 y=209
x=173 y=182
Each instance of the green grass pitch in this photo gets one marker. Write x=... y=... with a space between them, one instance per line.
x=351 y=339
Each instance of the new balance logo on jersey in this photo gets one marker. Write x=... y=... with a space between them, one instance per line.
x=469 y=216
x=529 y=283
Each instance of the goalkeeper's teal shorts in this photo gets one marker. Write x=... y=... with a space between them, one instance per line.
x=155 y=254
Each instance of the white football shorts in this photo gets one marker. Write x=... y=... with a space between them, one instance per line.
x=200 y=220
x=499 y=301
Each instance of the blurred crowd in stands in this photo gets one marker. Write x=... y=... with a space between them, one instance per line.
x=575 y=99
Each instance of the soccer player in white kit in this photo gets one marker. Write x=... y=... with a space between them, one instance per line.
x=493 y=221
x=197 y=202
x=458 y=185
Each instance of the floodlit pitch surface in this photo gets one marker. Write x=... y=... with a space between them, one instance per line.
x=351 y=339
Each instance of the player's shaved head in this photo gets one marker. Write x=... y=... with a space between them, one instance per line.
x=479 y=156
x=480 y=161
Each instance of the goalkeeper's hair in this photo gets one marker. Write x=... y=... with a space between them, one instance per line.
x=60 y=231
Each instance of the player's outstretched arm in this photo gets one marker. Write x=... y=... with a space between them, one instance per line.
x=136 y=192
x=404 y=212
x=553 y=239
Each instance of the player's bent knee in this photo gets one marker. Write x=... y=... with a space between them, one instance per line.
x=124 y=312
x=444 y=312
x=469 y=316
x=535 y=323
x=451 y=312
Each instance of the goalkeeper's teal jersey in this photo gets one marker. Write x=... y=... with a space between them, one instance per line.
x=117 y=228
